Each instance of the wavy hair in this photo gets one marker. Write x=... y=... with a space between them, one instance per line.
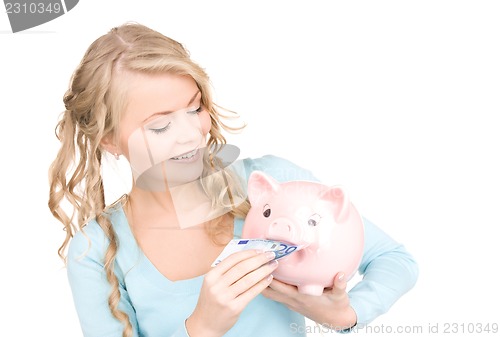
x=94 y=102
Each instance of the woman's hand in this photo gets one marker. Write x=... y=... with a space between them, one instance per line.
x=332 y=309
x=227 y=289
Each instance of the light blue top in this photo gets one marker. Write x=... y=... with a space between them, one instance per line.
x=157 y=307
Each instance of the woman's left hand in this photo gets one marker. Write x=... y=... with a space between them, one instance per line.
x=332 y=309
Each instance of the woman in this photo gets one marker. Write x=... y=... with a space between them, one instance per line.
x=141 y=266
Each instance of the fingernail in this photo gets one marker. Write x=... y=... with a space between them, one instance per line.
x=341 y=277
x=269 y=278
x=270 y=255
x=273 y=263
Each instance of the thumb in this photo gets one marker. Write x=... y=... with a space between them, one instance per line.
x=339 y=284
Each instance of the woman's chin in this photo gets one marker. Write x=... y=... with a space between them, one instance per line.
x=182 y=172
x=169 y=174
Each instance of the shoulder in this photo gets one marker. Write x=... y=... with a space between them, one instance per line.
x=90 y=241
x=279 y=168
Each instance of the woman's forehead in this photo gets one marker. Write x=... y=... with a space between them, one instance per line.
x=148 y=94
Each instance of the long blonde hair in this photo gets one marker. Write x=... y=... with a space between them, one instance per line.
x=94 y=102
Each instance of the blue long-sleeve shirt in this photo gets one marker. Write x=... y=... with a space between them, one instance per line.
x=158 y=307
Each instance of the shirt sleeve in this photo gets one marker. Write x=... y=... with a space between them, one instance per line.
x=388 y=270
x=90 y=288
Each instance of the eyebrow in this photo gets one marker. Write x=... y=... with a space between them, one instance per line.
x=167 y=112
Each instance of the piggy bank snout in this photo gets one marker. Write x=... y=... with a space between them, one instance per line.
x=285 y=230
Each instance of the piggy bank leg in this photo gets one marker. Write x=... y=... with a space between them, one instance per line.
x=311 y=289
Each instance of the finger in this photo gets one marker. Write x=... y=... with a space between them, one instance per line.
x=283 y=288
x=234 y=259
x=243 y=299
x=244 y=267
x=339 y=285
x=284 y=293
x=274 y=295
x=252 y=278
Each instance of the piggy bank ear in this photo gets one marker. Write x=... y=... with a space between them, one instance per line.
x=338 y=200
x=260 y=185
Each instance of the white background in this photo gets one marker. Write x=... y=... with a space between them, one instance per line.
x=398 y=101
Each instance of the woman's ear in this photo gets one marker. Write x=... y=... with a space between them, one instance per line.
x=108 y=143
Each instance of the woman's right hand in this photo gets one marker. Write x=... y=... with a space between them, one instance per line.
x=227 y=289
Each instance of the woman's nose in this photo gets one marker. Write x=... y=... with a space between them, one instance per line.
x=189 y=128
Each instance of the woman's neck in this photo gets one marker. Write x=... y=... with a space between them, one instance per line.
x=178 y=207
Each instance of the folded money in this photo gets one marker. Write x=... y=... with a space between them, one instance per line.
x=280 y=249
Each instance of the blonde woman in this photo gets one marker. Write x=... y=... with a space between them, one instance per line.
x=141 y=266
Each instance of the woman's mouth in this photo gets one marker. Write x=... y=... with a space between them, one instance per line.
x=187 y=157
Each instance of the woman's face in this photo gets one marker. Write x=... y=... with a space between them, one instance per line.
x=163 y=130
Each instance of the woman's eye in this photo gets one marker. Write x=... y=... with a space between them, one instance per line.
x=197 y=111
x=161 y=130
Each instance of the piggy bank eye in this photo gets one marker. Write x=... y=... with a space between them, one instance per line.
x=314 y=220
x=267 y=211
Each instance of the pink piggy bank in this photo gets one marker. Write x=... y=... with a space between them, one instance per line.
x=317 y=217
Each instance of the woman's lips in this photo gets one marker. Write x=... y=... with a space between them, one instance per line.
x=187 y=157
